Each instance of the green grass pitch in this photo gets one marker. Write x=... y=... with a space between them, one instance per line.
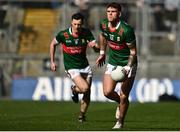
x=62 y=116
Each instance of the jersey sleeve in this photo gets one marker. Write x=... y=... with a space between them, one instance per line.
x=103 y=27
x=59 y=37
x=130 y=36
x=90 y=36
x=100 y=27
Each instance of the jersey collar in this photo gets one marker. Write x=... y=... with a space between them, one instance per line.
x=114 y=29
x=70 y=31
x=117 y=26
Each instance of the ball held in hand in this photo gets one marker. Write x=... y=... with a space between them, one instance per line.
x=118 y=74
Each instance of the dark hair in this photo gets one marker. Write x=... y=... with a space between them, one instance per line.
x=114 y=5
x=77 y=16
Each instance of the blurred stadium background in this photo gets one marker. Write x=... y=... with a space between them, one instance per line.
x=28 y=26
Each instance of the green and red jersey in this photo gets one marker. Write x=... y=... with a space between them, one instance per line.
x=74 y=48
x=117 y=41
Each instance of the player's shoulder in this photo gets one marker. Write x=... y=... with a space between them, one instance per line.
x=126 y=26
x=104 y=21
x=104 y=24
x=86 y=30
x=64 y=31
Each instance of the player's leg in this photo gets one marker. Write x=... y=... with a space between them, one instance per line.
x=109 y=85
x=108 y=88
x=85 y=102
x=87 y=75
x=80 y=84
x=83 y=84
x=124 y=95
x=80 y=79
x=82 y=87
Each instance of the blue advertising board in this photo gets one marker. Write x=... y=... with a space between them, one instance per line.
x=58 y=89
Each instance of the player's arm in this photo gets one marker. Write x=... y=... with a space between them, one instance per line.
x=92 y=42
x=132 y=57
x=52 y=54
x=96 y=48
x=94 y=45
x=102 y=44
x=133 y=54
x=131 y=43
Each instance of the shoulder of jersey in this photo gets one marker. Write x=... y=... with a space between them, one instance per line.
x=103 y=24
x=85 y=30
x=104 y=21
x=126 y=25
x=63 y=31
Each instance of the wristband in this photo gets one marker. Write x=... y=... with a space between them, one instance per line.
x=102 y=52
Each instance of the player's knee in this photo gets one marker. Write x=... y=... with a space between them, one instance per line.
x=85 y=88
x=107 y=93
x=86 y=99
x=124 y=98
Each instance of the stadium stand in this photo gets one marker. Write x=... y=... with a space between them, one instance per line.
x=37 y=30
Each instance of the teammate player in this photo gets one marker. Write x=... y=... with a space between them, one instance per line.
x=74 y=41
x=120 y=38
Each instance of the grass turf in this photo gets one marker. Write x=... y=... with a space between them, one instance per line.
x=54 y=116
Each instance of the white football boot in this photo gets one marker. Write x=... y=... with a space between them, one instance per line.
x=118 y=125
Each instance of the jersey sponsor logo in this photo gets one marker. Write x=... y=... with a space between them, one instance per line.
x=68 y=41
x=115 y=46
x=74 y=50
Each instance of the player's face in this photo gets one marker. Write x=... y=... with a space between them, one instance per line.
x=112 y=14
x=76 y=25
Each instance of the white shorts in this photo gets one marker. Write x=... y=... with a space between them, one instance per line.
x=72 y=73
x=132 y=72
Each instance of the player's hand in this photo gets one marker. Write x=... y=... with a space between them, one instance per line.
x=92 y=44
x=101 y=60
x=53 y=66
x=127 y=69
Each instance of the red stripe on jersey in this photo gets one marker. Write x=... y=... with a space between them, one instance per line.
x=115 y=46
x=74 y=50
